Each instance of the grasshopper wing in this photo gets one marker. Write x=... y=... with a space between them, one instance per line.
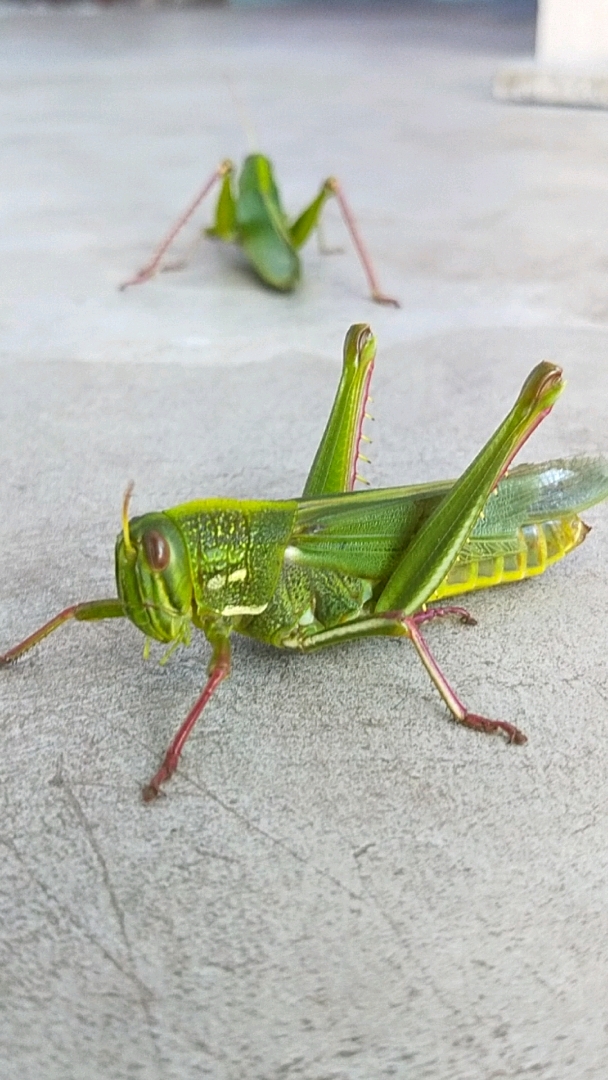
x=362 y=532
x=528 y=524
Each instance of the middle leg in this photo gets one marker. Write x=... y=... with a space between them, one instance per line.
x=395 y=624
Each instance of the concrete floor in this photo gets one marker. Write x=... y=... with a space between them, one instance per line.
x=340 y=882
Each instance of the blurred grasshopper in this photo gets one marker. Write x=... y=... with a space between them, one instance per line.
x=253 y=217
x=336 y=564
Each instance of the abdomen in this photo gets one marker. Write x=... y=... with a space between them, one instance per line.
x=541 y=545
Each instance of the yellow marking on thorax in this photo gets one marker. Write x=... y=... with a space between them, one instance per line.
x=244 y=609
x=219 y=581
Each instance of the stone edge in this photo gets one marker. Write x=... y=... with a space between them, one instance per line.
x=540 y=84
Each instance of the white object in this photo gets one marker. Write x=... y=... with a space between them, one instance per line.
x=571 y=61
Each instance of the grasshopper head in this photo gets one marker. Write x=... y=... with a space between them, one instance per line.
x=153 y=577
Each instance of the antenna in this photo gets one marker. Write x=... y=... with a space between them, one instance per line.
x=243 y=115
x=130 y=550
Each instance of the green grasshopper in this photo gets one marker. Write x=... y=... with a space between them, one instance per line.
x=336 y=564
x=253 y=216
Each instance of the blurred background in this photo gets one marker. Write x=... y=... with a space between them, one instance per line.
x=340 y=883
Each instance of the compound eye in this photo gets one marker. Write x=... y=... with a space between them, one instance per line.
x=157 y=550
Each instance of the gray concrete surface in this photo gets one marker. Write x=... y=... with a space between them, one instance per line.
x=340 y=882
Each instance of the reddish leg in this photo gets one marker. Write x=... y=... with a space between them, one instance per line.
x=87 y=612
x=458 y=710
x=351 y=225
x=396 y=624
x=219 y=669
x=441 y=613
x=152 y=266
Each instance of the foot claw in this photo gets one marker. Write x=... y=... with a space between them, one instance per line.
x=516 y=736
x=155 y=788
x=149 y=793
x=492 y=727
x=138 y=279
x=380 y=298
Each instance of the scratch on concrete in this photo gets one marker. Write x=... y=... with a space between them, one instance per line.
x=278 y=842
x=144 y=993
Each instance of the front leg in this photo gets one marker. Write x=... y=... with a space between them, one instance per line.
x=89 y=611
x=219 y=669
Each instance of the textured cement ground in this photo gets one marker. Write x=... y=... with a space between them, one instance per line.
x=340 y=883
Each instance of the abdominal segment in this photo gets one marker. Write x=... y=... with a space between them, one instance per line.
x=540 y=545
